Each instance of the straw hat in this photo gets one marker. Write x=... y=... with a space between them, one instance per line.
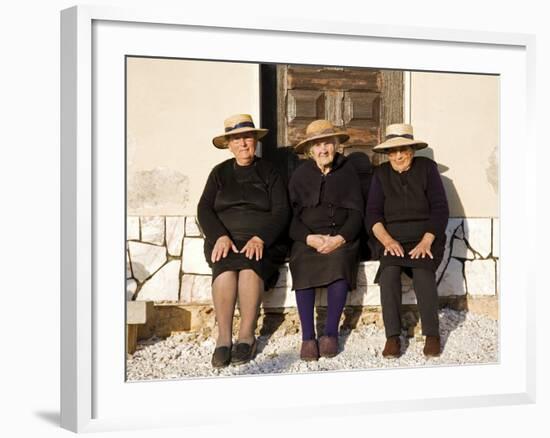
x=237 y=124
x=399 y=134
x=316 y=131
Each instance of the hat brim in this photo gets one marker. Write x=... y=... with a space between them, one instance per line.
x=398 y=142
x=221 y=143
x=300 y=147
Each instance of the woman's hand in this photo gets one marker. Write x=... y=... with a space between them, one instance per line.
x=315 y=240
x=331 y=243
x=393 y=247
x=254 y=248
x=221 y=248
x=424 y=247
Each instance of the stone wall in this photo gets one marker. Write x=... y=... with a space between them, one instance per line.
x=166 y=264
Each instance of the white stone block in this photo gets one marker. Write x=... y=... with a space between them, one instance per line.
x=145 y=259
x=192 y=227
x=163 y=286
x=496 y=237
x=409 y=297
x=497 y=288
x=128 y=267
x=454 y=228
x=480 y=277
x=406 y=283
x=285 y=279
x=202 y=289
x=186 y=288
x=152 y=229
x=477 y=232
x=371 y=268
x=453 y=282
x=461 y=250
x=321 y=296
x=131 y=287
x=132 y=228
x=279 y=297
x=175 y=227
x=193 y=258
x=370 y=296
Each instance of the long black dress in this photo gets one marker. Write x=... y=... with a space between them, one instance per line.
x=242 y=202
x=325 y=204
x=408 y=204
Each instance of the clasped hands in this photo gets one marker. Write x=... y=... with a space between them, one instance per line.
x=254 y=248
x=421 y=250
x=325 y=244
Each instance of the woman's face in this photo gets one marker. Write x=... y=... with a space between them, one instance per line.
x=401 y=158
x=243 y=146
x=323 y=152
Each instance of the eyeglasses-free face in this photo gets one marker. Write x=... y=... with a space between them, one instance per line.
x=243 y=147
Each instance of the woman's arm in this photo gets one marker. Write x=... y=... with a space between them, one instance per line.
x=280 y=211
x=439 y=208
x=390 y=245
x=210 y=224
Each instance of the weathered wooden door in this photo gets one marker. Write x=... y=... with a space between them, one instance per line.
x=360 y=100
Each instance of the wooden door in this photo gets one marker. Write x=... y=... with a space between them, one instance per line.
x=360 y=100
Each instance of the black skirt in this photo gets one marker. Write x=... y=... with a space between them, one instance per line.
x=267 y=268
x=310 y=269
x=437 y=249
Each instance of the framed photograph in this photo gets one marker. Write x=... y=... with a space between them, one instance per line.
x=118 y=191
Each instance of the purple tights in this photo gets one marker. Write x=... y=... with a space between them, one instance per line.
x=337 y=293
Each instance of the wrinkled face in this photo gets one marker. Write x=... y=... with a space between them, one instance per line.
x=323 y=151
x=401 y=158
x=243 y=146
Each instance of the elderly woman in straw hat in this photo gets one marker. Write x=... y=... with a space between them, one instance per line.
x=327 y=203
x=407 y=212
x=244 y=214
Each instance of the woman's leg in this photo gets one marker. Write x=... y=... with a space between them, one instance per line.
x=390 y=297
x=425 y=289
x=224 y=296
x=337 y=293
x=305 y=300
x=250 y=287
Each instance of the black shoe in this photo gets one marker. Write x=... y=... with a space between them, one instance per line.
x=221 y=357
x=243 y=352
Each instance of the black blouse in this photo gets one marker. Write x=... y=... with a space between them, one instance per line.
x=326 y=204
x=244 y=201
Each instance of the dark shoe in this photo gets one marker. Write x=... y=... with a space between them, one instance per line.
x=432 y=346
x=243 y=352
x=328 y=346
x=221 y=357
x=309 y=350
x=392 y=348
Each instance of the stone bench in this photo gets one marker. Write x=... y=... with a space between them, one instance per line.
x=137 y=313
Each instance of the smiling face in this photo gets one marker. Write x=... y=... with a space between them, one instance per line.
x=322 y=152
x=401 y=158
x=243 y=146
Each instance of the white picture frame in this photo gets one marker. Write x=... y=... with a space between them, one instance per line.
x=94 y=396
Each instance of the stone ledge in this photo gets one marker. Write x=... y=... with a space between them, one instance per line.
x=167 y=319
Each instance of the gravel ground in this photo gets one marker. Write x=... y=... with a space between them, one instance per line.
x=467 y=339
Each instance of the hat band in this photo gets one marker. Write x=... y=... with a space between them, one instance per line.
x=390 y=136
x=240 y=125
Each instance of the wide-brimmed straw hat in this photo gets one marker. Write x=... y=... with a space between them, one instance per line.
x=397 y=135
x=318 y=130
x=237 y=124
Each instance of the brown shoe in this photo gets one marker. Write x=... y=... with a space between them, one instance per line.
x=432 y=346
x=392 y=349
x=309 y=350
x=328 y=346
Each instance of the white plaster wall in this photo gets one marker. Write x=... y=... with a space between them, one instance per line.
x=174 y=108
x=457 y=115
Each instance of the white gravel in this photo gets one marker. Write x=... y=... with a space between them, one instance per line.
x=467 y=339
